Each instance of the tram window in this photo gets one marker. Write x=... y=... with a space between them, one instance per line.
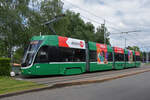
x=60 y=54
x=126 y=57
x=53 y=54
x=134 y=59
x=66 y=54
x=71 y=55
x=109 y=56
x=93 y=56
x=42 y=55
x=79 y=55
x=138 y=58
x=119 y=57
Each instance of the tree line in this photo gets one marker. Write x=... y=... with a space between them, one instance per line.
x=22 y=19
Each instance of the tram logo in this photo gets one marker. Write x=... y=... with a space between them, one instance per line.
x=118 y=50
x=81 y=44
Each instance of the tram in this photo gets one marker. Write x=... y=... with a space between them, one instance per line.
x=57 y=55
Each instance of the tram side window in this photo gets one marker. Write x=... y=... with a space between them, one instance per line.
x=48 y=54
x=109 y=56
x=71 y=55
x=53 y=54
x=138 y=58
x=66 y=54
x=42 y=55
x=93 y=55
x=119 y=57
x=134 y=59
x=79 y=55
x=59 y=54
x=126 y=57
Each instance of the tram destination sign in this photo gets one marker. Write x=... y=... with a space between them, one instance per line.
x=118 y=50
x=137 y=53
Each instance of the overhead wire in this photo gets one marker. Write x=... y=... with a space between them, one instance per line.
x=87 y=11
x=92 y=15
x=114 y=28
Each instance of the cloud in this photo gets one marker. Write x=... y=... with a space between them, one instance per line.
x=120 y=16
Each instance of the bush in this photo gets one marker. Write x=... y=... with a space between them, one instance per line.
x=17 y=56
x=5 y=67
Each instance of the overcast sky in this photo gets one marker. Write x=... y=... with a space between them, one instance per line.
x=120 y=16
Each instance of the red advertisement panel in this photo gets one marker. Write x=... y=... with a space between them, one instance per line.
x=118 y=50
x=101 y=53
x=137 y=53
x=62 y=41
x=103 y=47
x=130 y=56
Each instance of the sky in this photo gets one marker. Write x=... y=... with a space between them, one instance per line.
x=120 y=16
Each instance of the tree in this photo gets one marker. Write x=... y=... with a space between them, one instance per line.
x=135 y=48
x=10 y=24
x=73 y=26
x=19 y=22
x=22 y=19
x=99 y=36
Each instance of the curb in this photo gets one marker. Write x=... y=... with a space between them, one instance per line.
x=98 y=80
x=78 y=82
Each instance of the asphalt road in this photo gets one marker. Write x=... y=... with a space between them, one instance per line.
x=135 y=87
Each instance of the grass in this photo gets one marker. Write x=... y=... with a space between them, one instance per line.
x=147 y=64
x=8 y=85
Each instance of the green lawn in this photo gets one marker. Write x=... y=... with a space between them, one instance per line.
x=8 y=84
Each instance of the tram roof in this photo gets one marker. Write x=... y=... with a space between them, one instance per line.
x=54 y=38
x=92 y=46
x=127 y=50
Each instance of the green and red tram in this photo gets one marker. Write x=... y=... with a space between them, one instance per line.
x=119 y=58
x=137 y=59
x=57 y=55
x=100 y=57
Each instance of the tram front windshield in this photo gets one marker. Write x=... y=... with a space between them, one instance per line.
x=30 y=53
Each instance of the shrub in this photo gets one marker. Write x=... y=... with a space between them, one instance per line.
x=5 y=67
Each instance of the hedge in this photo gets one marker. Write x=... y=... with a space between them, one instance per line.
x=5 y=67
